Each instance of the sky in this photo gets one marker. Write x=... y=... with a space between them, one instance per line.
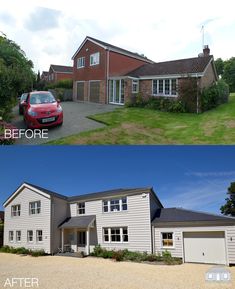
x=51 y=31
x=192 y=177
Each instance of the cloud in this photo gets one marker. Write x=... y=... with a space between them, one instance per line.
x=211 y=174
x=43 y=19
x=7 y=18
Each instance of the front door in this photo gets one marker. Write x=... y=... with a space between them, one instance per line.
x=81 y=240
x=116 y=91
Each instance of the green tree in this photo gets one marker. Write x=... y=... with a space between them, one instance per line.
x=229 y=73
x=16 y=75
x=229 y=207
x=219 y=65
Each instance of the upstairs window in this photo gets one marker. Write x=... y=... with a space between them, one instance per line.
x=167 y=240
x=105 y=206
x=15 y=210
x=135 y=86
x=81 y=62
x=81 y=208
x=94 y=59
x=35 y=208
x=115 y=205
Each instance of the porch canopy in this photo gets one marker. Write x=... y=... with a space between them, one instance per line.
x=81 y=222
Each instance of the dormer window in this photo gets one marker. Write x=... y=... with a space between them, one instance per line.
x=15 y=210
x=81 y=208
x=115 y=205
x=95 y=59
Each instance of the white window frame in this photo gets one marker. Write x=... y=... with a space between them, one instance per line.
x=38 y=236
x=16 y=210
x=121 y=203
x=164 y=83
x=35 y=209
x=135 y=85
x=121 y=235
x=173 y=240
x=81 y=62
x=18 y=236
x=95 y=59
x=11 y=236
x=28 y=236
x=81 y=209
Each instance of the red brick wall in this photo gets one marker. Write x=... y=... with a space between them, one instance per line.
x=61 y=76
x=120 y=64
x=209 y=77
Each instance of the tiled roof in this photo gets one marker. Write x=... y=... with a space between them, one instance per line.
x=62 y=68
x=181 y=66
x=179 y=215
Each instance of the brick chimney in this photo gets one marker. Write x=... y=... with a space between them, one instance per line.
x=206 y=50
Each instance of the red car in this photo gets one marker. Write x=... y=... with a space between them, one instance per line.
x=41 y=109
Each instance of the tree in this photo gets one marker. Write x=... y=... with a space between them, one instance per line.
x=16 y=75
x=219 y=65
x=229 y=73
x=229 y=207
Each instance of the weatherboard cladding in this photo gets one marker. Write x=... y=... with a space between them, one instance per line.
x=174 y=67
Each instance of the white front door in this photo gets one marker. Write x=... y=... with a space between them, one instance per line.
x=116 y=91
x=81 y=240
x=205 y=247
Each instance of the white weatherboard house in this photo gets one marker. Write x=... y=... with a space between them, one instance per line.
x=135 y=219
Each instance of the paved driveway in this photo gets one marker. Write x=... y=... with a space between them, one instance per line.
x=75 y=121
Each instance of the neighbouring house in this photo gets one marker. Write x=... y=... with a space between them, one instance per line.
x=132 y=219
x=59 y=72
x=104 y=73
x=44 y=76
x=1 y=227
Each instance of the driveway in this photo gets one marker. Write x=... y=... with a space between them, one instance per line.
x=75 y=121
x=57 y=272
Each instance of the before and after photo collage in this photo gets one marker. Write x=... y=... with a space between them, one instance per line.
x=117 y=144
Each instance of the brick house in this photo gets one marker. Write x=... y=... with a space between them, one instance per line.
x=59 y=72
x=105 y=73
x=44 y=76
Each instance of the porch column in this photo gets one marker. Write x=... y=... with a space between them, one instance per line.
x=75 y=241
x=88 y=241
x=62 y=239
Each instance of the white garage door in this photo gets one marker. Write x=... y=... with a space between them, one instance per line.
x=204 y=247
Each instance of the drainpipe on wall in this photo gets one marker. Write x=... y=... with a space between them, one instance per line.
x=107 y=76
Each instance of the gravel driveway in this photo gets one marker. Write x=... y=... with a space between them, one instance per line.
x=57 y=272
x=75 y=121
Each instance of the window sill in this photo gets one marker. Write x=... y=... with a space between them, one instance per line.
x=164 y=95
x=110 y=212
x=165 y=247
x=94 y=64
x=80 y=67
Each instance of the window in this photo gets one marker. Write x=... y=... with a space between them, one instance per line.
x=95 y=58
x=81 y=62
x=135 y=86
x=115 y=205
x=11 y=236
x=115 y=235
x=81 y=208
x=105 y=206
x=82 y=238
x=106 y=235
x=39 y=235
x=35 y=208
x=15 y=210
x=18 y=236
x=30 y=236
x=165 y=87
x=167 y=239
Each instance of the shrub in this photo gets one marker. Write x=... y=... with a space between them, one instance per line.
x=65 y=83
x=107 y=254
x=118 y=255
x=23 y=251
x=214 y=95
x=98 y=251
x=37 y=253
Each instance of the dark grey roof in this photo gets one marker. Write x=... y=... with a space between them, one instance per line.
x=51 y=193
x=62 y=68
x=108 y=193
x=181 y=66
x=81 y=222
x=176 y=216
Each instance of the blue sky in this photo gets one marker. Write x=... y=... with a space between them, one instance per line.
x=193 y=177
x=51 y=31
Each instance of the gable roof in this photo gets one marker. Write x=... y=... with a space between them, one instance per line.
x=108 y=46
x=194 y=65
x=45 y=73
x=61 y=68
x=180 y=217
x=81 y=222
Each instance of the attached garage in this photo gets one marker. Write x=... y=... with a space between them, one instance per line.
x=204 y=247
x=80 y=90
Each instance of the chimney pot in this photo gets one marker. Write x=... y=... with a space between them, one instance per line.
x=206 y=50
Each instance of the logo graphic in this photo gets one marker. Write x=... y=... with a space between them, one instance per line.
x=218 y=274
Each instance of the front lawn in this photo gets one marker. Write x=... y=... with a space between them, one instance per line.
x=145 y=126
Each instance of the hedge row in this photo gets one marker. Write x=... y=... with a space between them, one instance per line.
x=22 y=251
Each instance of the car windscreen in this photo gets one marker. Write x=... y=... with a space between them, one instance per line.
x=41 y=98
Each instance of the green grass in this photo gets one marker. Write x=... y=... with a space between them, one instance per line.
x=144 y=126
